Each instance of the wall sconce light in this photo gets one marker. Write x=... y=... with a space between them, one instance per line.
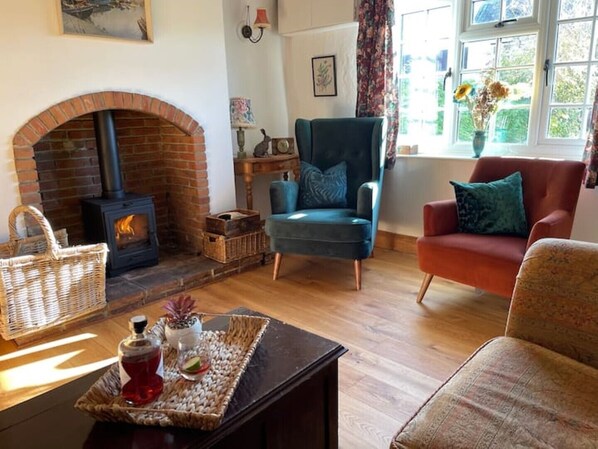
x=261 y=22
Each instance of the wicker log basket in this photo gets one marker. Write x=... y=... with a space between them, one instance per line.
x=35 y=244
x=41 y=290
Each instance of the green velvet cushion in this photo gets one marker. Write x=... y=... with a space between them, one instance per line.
x=319 y=189
x=491 y=208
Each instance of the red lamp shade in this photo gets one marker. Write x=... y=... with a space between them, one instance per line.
x=261 y=19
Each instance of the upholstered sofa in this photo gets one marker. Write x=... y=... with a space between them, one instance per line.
x=538 y=385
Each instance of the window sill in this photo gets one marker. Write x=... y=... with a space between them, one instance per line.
x=445 y=156
x=463 y=153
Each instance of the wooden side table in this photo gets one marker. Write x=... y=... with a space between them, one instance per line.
x=253 y=166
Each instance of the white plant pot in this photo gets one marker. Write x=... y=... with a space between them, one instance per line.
x=173 y=335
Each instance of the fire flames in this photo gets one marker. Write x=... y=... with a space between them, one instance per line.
x=124 y=228
x=131 y=230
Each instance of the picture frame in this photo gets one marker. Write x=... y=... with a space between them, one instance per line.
x=117 y=19
x=323 y=69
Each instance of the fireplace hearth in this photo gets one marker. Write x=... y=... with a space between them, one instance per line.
x=125 y=221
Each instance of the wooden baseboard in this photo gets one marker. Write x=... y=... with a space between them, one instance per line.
x=396 y=242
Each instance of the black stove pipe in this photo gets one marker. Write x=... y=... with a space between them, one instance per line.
x=108 y=155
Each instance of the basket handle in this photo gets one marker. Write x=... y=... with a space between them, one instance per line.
x=52 y=244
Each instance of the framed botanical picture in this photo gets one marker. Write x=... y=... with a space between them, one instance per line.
x=323 y=70
x=123 y=19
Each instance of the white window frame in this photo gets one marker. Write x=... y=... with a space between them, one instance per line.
x=543 y=24
x=533 y=20
x=489 y=31
x=550 y=53
x=449 y=110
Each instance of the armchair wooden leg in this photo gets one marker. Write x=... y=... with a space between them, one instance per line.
x=424 y=287
x=357 y=265
x=277 y=260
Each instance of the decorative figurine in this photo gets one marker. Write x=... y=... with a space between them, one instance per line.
x=261 y=149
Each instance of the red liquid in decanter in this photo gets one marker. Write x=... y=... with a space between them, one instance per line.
x=140 y=365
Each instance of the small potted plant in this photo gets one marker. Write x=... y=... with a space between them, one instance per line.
x=181 y=319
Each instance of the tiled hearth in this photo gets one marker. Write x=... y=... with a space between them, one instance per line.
x=175 y=273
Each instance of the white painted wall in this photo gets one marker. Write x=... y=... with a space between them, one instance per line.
x=185 y=66
x=256 y=71
x=299 y=50
x=414 y=180
x=263 y=71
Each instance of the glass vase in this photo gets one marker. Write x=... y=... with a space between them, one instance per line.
x=479 y=141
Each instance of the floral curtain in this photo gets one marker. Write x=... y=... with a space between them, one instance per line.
x=590 y=152
x=377 y=94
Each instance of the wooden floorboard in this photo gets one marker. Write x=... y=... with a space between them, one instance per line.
x=399 y=351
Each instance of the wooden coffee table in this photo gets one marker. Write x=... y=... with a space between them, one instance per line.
x=287 y=397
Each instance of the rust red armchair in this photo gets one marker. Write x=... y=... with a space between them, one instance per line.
x=491 y=262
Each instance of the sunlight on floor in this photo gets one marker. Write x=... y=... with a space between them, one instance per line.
x=47 y=371
x=45 y=346
x=56 y=367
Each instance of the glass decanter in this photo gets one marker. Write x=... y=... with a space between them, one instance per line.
x=140 y=364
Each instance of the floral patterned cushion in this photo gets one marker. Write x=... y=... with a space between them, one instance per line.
x=510 y=393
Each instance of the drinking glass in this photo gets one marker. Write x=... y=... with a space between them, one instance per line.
x=194 y=359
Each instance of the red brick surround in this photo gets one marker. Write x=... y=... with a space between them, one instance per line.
x=162 y=153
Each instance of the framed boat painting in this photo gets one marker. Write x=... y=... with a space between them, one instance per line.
x=122 y=19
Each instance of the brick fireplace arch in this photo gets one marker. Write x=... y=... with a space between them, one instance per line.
x=181 y=144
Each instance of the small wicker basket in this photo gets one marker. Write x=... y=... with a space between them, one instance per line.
x=38 y=291
x=227 y=249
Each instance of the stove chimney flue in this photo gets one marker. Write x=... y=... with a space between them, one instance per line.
x=108 y=155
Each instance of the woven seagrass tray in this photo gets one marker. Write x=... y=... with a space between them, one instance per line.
x=199 y=405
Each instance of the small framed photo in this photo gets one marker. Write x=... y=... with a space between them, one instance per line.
x=323 y=70
x=123 y=19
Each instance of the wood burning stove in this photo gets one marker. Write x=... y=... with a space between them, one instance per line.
x=128 y=226
x=125 y=221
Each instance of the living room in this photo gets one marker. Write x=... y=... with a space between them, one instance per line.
x=197 y=61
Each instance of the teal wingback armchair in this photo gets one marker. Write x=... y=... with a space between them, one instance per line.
x=348 y=232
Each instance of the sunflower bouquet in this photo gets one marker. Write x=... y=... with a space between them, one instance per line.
x=482 y=101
